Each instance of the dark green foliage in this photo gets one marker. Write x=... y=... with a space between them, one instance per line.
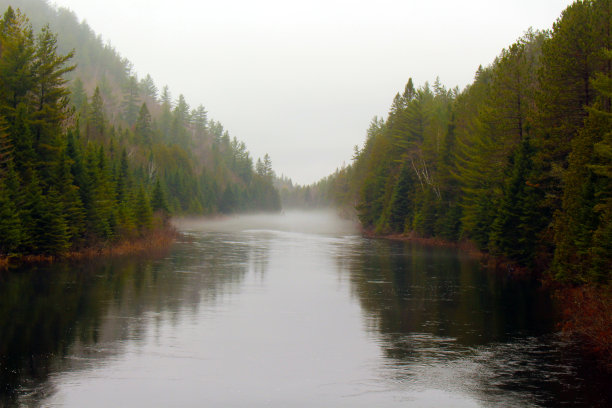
x=519 y=162
x=143 y=129
x=402 y=201
x=10 y=223
x=60 y=191
x=96 y=120
x=518 y=220
x=228 y=201
x=52 y=235
x=72 y=206
x=142 y=210
x=158 y=201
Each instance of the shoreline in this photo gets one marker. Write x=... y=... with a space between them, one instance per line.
x=586 y=310
x=156 y=239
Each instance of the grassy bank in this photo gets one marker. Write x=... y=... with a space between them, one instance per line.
x=155 y=239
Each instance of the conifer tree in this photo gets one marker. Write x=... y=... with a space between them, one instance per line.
x=158 y=200
x=71 y=204
x=142 y=210
x=16 y=68
x=10 y=224
x=143 y=129
x=52 y=231
x=402 y=204
x=131 y=97
x=148 y=90
x=518 y=221
x=78 y=96
x=51 y=101
x=96 y=122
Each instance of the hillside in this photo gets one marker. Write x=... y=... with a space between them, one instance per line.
x=89 y=151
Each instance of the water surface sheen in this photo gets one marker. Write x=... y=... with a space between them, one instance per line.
x=292 y=310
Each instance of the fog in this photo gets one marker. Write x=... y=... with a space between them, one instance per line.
x=307 y=222
x=302 y=80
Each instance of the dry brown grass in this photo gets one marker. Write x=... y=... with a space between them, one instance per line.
x=153 y=240
x=587 y=313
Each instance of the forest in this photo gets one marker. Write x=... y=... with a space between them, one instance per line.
x=90 y=154
x=519 y=163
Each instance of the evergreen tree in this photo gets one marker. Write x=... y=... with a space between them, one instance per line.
x=96 y=122
x=142 y=210
x=143 y=129
x=518 y=221
x=10 y=224
x=148 y=90
x=71 y=204
x=158 y=200
x=16 y=62
x=200 y=121
x=402 y=200
x=52 y=231
x=78 y=95
x=131 y=97
x=51 y=101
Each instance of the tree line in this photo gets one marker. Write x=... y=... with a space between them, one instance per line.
x=520 y=161
x=80 y=169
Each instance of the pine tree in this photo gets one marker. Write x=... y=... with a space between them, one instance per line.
x=518 y=221
x=10 y=224
x=142 y=210
x=131 y=97
x=582 y=225
x=181 y=111
x=72 y=206
x=142 y=128
x=158 y=200
x=52 y=231
x=96 y=122
x=148 y=90
x=51 y=101
x=16 y=62
x=200 y=121
x=402 y=201
x=78 y=95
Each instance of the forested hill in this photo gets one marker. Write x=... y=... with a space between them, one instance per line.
x=519 y=162
x=90 y=154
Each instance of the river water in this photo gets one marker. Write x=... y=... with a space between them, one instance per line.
x=295 y=310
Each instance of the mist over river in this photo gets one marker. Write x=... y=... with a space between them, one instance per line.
x=291 y=310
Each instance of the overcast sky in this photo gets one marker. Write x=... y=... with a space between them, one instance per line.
x=302 y=80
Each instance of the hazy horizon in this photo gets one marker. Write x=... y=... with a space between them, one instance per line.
x=302 y=82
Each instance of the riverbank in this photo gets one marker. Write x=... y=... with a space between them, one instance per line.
x=466 y=246
x=586 y=309
x=587 y=318
x=155 y=239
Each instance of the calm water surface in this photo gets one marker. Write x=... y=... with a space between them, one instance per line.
x=286 y=311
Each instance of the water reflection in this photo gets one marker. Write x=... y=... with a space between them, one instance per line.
x=70 y=317
x=445 y=323
x=270 y=312
x=413 y=289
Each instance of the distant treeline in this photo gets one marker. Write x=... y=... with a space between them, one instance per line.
x=519 y=162
x=81 y=168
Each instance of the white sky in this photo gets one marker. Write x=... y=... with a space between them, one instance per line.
x=302 y=80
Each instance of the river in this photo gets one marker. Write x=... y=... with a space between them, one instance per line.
x=295 y=310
